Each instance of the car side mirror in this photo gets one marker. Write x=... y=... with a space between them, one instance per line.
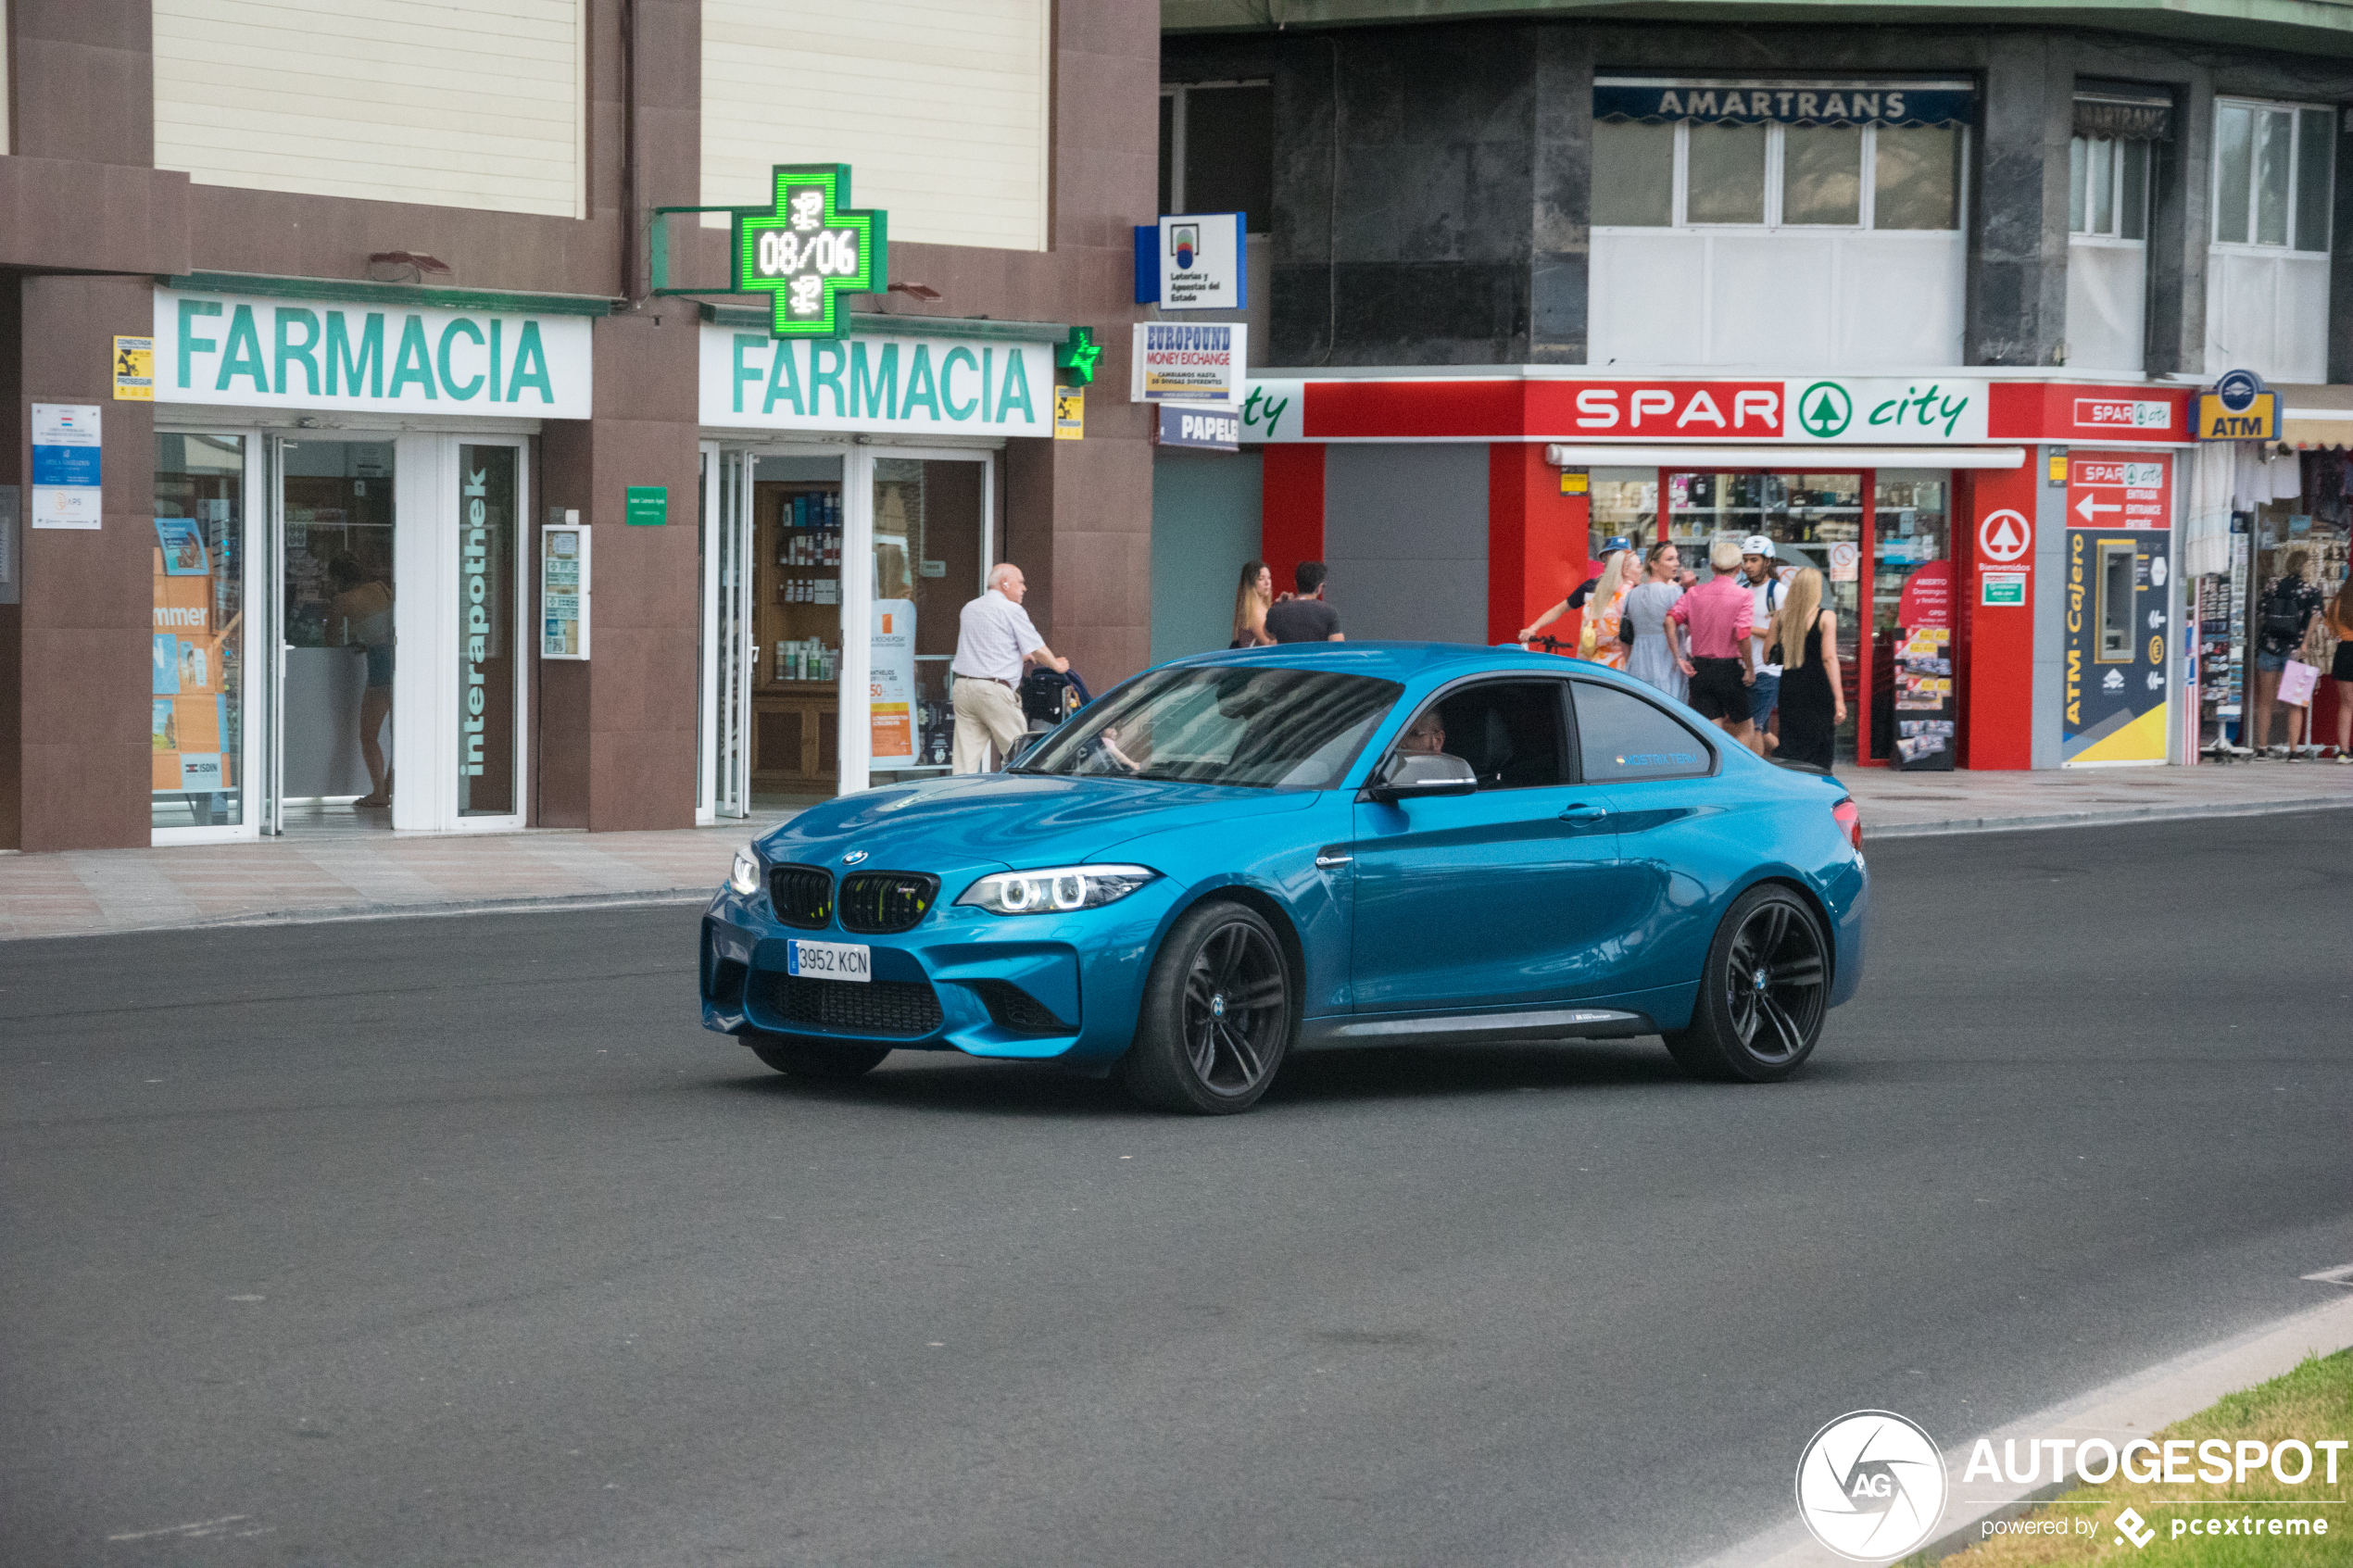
x=1413 y=775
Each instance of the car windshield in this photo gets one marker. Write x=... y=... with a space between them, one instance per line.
x=1257 y=727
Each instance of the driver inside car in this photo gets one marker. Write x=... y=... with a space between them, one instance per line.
x=1426 y=734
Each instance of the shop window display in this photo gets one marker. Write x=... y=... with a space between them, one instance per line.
x=1624 y=506
x=796 y=557
x=197 y=731
x=1912 y=687
x=1808 y=517
x=927 y=563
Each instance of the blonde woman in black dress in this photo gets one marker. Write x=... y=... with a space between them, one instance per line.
x=1813 y=698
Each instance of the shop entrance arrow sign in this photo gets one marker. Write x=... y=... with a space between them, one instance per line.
x=2090 y=508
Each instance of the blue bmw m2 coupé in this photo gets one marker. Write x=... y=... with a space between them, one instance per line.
x=1237 y=855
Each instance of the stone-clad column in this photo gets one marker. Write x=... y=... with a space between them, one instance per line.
x=75 y=654
x=1560 y=270
x=2018 y=221
x=2180 y=220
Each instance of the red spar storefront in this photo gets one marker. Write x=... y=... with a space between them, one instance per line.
x=1936 y=507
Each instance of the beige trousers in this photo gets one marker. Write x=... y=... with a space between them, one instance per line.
x=986 y=714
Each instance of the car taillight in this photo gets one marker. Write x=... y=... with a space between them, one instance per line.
x=1850 y=821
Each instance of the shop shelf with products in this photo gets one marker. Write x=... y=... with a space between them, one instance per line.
x=796 y=618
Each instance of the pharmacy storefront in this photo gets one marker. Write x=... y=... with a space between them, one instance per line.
x=342 y=491
x=1998 y=551
x=850 y=496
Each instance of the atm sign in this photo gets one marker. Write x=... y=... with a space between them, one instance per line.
x=2258 y=421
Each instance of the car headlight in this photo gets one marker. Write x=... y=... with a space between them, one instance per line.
x=1056 y=891
x=745 y=876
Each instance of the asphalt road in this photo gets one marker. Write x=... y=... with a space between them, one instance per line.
x=445 y=1241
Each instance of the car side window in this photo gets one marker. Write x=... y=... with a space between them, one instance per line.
x=1510 y=732
x=1621 y=738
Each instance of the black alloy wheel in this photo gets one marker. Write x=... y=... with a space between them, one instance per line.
x=824 y=1061
x=1762 y=995
x=1216 y=1018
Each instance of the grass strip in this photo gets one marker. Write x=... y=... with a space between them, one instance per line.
x=2313 y=1401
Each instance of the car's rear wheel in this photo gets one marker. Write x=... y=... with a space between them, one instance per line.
x=1762 y=995
x=826 y=1059
x=1217 y=1016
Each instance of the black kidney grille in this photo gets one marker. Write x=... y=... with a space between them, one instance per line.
x=879 y=1007
x=886 y=901
x=804 y=895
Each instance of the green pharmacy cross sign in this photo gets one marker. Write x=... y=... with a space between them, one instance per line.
x=809 y=248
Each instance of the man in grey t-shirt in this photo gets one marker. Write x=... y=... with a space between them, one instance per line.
x=1304 y=617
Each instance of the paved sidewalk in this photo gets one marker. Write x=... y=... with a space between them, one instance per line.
x=350 y=873
x=1906 y=805
x=342 y=874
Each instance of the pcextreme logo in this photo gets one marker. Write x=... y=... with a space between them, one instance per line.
x=1871 y=1485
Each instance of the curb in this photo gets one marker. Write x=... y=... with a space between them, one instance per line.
x=2098 y=819
x=2139 y=1402
x=341 y=914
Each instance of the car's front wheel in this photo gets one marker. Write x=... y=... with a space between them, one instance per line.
x=828 y=1059
x=1762 y=995
x=1217 y=1016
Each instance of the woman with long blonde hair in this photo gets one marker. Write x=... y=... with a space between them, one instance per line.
x=1251 y=597
x=1813 y=696
x=1605 y=611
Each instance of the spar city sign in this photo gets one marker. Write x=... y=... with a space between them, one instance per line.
x=1838 y=410
x=808 y=247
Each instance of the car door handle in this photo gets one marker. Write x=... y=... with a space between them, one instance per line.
x=1584 y=816
x=1332 y=855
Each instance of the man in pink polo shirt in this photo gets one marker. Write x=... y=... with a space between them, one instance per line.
x=1721 y=660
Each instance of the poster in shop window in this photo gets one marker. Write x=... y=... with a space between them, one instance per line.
x=891 y=696
x=1923 y=670
x=2117 y=626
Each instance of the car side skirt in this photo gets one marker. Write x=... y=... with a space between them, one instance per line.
x=1548 y=1023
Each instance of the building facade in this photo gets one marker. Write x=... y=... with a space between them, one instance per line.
x=1929 y=305
x=375 y=308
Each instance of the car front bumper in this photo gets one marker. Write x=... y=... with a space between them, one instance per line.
x=1062 y=987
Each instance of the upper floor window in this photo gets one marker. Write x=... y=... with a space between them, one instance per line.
x=1797 y=155
x=1217 y=150
x=2107 y=189
x=2272 y=165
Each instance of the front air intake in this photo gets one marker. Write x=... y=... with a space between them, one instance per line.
x=877 y=903
x=804 y=895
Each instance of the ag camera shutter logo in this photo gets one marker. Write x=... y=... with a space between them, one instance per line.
x=1871 y=1485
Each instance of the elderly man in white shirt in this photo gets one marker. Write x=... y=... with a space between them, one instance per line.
x=994 y=639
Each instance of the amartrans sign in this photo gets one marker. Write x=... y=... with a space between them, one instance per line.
x=808 y=248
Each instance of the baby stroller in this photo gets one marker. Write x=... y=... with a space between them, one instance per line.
x=1048 y=698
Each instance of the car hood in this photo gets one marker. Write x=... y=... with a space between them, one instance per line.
x=982 y=821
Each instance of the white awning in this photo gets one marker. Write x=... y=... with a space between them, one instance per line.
x=1790 y=457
